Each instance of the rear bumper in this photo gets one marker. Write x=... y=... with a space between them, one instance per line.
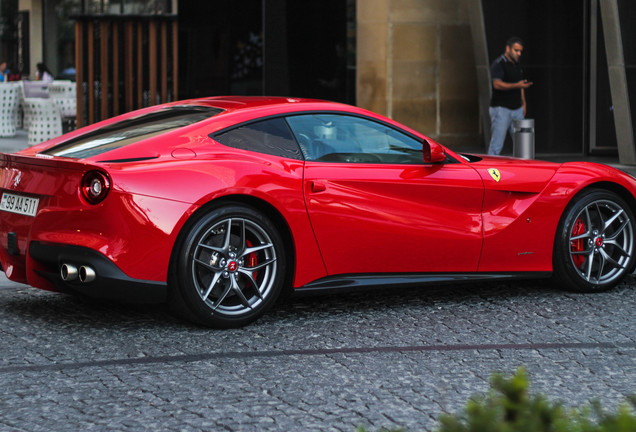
x=110 y=282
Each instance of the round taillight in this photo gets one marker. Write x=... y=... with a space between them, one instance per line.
x=95 y=186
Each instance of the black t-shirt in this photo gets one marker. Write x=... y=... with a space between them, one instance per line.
x=508 y=72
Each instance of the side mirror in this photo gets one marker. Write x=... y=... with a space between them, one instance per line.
x=433 y=152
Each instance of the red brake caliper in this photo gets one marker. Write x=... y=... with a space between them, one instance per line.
x=251 y=260
x=578 y=245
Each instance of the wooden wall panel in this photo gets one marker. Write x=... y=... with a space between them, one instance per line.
x=164 y=60
x=124 y=62
x=139 y=66
x=152 y=61
x=90 y=79
x=79 y=75
x=116 y=98
x=175 y=60
x=103 y=75
x=128 y=67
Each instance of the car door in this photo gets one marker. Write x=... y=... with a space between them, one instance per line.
x=376 y=207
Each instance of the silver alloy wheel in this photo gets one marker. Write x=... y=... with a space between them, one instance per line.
x=234 y=266
x=601 y=242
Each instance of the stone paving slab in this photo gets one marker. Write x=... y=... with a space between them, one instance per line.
x=390 y=358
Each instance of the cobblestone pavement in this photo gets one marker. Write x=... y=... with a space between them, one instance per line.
x=383 y=359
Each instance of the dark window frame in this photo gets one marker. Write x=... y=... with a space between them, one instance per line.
x=290 y=152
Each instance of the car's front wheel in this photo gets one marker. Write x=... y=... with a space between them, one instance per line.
x=594 y=247
x=229 y=268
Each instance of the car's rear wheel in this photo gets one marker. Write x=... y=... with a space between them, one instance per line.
x=594 y=248
x=230 y=267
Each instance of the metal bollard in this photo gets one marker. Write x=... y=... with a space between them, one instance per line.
x=523 y=139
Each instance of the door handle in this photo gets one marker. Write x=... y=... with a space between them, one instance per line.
x=318 y=186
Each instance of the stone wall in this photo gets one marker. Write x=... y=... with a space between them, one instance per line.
x=415 y=64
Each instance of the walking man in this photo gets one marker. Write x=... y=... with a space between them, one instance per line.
x=508 y=101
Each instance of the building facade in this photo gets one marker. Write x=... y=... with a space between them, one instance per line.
x=422 y=62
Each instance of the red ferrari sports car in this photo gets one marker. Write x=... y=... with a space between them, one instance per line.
x=217 y=205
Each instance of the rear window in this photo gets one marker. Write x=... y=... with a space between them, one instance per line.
x=131 y=130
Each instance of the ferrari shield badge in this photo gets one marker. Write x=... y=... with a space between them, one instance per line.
x=494 y=173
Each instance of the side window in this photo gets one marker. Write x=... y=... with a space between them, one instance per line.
x=271 y=137
x=350 y=139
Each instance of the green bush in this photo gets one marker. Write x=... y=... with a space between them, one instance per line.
x=508 y=407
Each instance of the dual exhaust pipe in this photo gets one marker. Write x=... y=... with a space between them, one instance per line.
x=69 y=273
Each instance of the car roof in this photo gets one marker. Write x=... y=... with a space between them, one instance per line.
x=245 y=104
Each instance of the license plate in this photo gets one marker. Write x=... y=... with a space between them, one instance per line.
x=19 y=204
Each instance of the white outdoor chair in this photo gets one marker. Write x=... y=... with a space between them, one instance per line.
x=36 y=89
x=64 y=95
x=9 y=99
x=45 y=120
x=20 y=118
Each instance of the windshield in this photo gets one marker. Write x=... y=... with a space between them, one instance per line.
x=131 y=130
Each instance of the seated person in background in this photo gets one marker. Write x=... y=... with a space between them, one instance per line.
x=4 y=71
x=43 y=73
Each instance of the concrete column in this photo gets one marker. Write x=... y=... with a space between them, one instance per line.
x=36 y=53
x=372 y=61
x=415 y=65
x=482 y=64
x=618 y=81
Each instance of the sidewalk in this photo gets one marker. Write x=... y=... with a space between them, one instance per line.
x=14 y=144
x=19 y=142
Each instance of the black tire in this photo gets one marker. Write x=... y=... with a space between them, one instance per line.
x=594 y=245
x=229 y=268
